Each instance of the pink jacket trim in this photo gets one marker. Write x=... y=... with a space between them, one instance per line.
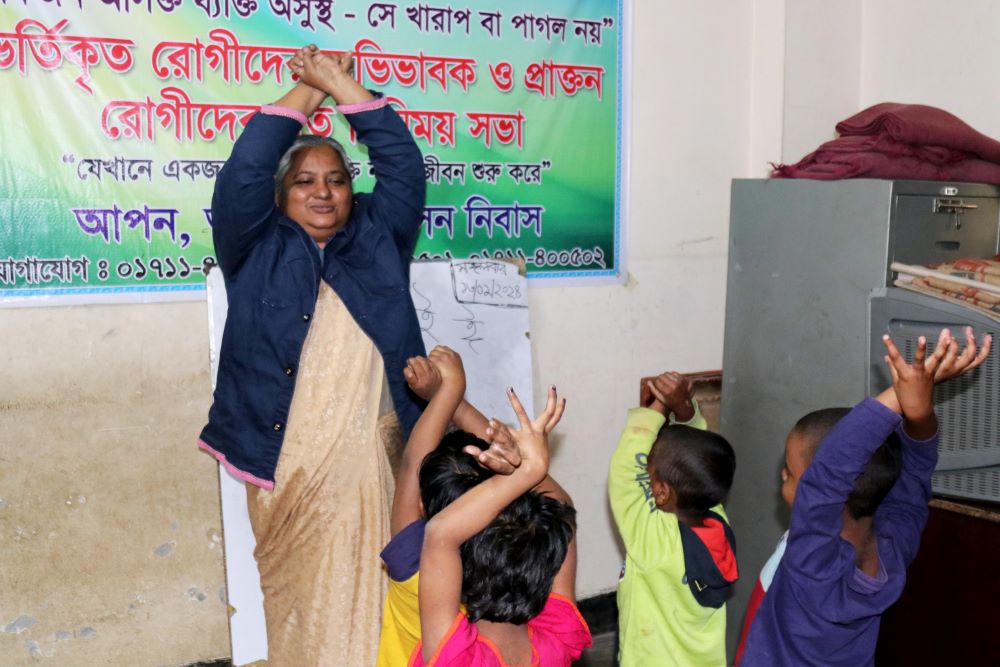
x=275 y=110
x=371 y=105
x=236 y=472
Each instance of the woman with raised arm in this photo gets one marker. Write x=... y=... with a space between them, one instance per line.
x=310 y=381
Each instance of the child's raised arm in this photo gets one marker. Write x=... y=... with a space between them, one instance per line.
x=440 y=560
x=443 y=371
x=905 y=506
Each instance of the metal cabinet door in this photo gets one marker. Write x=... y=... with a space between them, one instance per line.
x=928 y=229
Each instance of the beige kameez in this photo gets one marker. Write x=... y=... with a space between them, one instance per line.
x=320 y=531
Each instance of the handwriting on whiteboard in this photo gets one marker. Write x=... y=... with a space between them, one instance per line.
x=472 y=306
x=488 y=283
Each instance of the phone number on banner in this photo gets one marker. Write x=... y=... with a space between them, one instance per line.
x=575 y=257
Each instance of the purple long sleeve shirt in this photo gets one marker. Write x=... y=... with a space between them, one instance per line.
x=821 y=609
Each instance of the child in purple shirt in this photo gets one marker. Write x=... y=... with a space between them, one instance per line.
x=858 y=510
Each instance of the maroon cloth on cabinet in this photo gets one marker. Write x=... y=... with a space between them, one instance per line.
x=920 y=124
x=902 y=141
x=831 y=165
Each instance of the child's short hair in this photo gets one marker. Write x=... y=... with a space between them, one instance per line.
x=448 y=472
x=877 y=479
x=698 y=465
x=508 y=567
x=880 y=473
x=816 y=425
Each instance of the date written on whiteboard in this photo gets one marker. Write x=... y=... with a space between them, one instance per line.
x=488 y=283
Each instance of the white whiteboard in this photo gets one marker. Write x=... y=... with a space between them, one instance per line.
x=479 y=308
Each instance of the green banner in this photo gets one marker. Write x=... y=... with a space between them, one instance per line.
x=118 y=114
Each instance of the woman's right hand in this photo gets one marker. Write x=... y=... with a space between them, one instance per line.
x=332 y=73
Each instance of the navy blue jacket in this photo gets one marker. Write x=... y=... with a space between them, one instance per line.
x=272 y=271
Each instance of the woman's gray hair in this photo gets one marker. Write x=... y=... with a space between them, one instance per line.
x=304 y=142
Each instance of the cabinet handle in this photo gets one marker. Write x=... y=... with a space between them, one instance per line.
x=950 y=206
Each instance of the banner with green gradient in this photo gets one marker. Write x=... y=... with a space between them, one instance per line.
x=116 y=116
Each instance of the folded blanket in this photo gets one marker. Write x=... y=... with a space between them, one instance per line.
x=883 y=143
x=902 y=141
x=827 y=164
x=920 y=124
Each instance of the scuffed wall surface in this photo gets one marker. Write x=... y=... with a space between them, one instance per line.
x=110 y=544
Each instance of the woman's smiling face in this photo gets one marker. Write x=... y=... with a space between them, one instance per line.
x=319 y=194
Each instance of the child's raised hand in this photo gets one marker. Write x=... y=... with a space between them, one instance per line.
x=423 y=377
x=672 y=392
x=531 y=437
x=914 y=383
x=503 y=455
x=953 y=364
x=449 y=365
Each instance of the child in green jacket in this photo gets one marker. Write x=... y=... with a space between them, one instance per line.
x=666 y=483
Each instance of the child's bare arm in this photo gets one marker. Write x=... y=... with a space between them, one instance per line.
x=444 y=370
x=440 y=560
x=466 y=416
x=565 y=581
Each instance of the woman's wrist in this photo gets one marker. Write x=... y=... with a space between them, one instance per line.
x=344 y=89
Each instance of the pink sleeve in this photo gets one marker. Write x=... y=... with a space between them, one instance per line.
x=358 y=107
x=559 y=633
x=459 y=648
x=275 y=110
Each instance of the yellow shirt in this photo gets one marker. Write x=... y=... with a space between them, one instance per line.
x=401 y=614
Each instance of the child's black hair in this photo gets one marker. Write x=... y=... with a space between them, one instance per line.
x=448 y=472
x=876 y=481
x=508 y=567
x=697 y=465
x=880 y=473
x=816 y=425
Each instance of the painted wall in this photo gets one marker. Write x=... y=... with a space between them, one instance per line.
x=110 y=543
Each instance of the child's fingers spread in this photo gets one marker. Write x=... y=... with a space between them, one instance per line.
x=983 y=353
x=551 y=401
x=507 y=451
x=495 y=463
x=934 y=360
x=920 y=354
x=499 y=433
x=892 y=352
x=892 y=368
x=556 y=416
x=472 y=450
x=515 y=403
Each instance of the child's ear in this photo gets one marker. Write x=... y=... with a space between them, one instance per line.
x=663 y=495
